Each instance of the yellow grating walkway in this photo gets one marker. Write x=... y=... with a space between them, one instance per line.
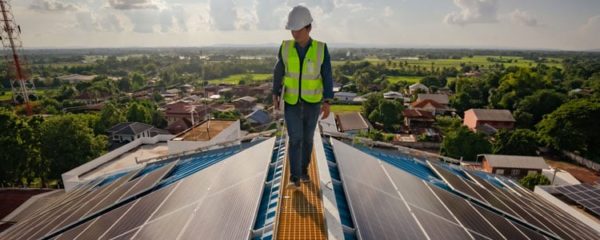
x=301 y=211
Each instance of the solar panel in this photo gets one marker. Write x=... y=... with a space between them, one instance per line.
x=139 y=212
x=234 y=207
x=100 y=224
x=167 y=227
x=456 y=183
x=583 y=194
x=415 y=192
x=467 y=215
x=440 y=228
x=74 y=232
x=149 y=181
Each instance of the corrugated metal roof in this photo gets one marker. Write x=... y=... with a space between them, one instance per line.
x=515 y=161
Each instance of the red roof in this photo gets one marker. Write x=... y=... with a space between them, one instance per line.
x=182 y=108
x=414 y=113
x=423 y=103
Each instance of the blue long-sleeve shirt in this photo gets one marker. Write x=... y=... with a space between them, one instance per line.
x=326 y=75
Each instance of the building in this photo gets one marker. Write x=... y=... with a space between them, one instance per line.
x=130 y=131
x=414 y=118
x=236 y=192
x=393 y=95
x=76 y=78
x=244 y=104
x=417 y=88
x=205 y=134
x=580 y=200
x=179 y=110
x=258 y=118
x=431 y=106
x=179 y=126
x=488 y=120
x=351 y=122
x=439 y=98
x=344 y=96
x=512 y=165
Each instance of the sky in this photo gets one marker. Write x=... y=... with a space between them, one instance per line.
x=510 y=24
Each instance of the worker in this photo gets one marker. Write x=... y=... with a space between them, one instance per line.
x=303 y=74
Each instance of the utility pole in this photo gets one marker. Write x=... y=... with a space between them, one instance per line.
x=22 y=85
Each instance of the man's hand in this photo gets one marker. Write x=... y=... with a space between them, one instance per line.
x=325 y=110
x=276 y=102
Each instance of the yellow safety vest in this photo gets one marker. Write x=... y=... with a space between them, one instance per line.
x=310 y=87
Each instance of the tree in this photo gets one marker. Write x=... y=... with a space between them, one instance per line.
x=433 y=81
x=110 y=115
x=391 y=113
x=18 y=151
x=371 y=103
x=573 y=127
x=462 y=143
x=517 y=142
x=531 y=180
x=68 y=143
x=532 y=108
x=139 y=113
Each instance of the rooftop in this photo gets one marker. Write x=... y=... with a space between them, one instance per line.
x=356 y=192
x=205 y=131
x=514 y=161
x=349 y=121
x=440 y=98
x=501 y=115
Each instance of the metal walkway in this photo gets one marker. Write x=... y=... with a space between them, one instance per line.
x=301 y=211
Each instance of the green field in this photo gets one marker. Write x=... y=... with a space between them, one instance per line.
x=409 y=79
x=235 y=79
x=346 y=108
x=8 y=93
x=479 y=60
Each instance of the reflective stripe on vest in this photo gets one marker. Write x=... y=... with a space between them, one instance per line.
x=310 y=87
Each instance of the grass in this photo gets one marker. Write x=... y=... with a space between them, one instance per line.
x=409 y=79
x=346 y=108
x=235 y=79
x=8 y=93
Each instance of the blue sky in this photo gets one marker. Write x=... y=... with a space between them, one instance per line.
x=527 y=24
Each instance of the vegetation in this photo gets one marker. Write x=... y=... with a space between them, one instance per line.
x=531 y=180
x=462 y=143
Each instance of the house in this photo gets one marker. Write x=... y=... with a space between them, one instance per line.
x=130 y=131
x=511 y=165
x=431 y=106
x=244 y=104
x=179 y=126
x=351 y=123
x=439 y=98
x=223 y=107
x=417 y=88
x=414 y=118
x=92 y=98
x=393 y=95
x=187 y=88
x=344 y=96
x=178 y=110
x=76 y=78
x=173 y=91
x=492 y=119
x=204 y=134
x=258 y=118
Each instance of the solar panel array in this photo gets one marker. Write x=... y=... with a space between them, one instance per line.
x=139 y=206
x=390 y=203
x=586 y=195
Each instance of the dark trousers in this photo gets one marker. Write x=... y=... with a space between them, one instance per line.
x=301 y=120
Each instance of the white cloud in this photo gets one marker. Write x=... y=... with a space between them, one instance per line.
x=93 y=22
x=523 y=18
x=388 y=12
x=592 y=25
x=223 y=15
x=52 y=6
x=270 y=14
x=473 y=11
x=134 y=4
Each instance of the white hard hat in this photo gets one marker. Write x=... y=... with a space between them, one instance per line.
x=298 y=18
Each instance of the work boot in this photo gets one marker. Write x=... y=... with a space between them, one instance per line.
x=294 y=183
x=305 y=178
